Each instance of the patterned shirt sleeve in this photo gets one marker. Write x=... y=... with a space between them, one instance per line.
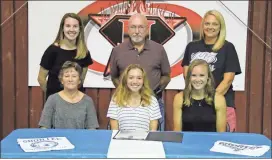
x=155 y=112
x=112 y=111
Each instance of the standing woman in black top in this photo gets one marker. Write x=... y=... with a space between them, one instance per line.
x=69 y=45
x=198 y=107
x=221 y=56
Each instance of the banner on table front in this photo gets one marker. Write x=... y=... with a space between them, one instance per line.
x=176 y=22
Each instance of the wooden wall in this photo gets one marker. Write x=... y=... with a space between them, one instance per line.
x=21 y=105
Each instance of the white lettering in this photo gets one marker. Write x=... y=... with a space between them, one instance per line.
x=209 y=57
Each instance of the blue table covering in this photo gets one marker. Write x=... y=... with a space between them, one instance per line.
x=95 y=144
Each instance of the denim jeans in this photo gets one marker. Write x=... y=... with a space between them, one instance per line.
x=162 y=119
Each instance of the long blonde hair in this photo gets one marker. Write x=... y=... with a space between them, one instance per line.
x=123 y=93
x=80 y=40
x=222 y=34
x=209 y=88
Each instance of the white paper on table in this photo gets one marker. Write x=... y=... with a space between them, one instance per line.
x=135 y=148
x=45 y=144
x=239 y=149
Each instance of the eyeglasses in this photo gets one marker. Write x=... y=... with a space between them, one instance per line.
x=140 y=28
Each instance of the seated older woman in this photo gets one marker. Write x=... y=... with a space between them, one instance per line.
x=69 y=108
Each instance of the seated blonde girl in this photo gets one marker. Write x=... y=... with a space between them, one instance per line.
x=133 y=105
x=198 y=108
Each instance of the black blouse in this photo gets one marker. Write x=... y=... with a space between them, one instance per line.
x=200 y=116
x=53 y=59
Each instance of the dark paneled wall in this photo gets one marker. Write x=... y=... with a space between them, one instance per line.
x=21 y=105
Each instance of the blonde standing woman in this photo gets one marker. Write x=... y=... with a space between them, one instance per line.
x=221 y=56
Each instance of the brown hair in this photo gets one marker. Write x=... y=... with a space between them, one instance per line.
x=80 y=40
x=69 y=64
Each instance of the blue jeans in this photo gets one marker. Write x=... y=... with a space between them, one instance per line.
x=162 y=119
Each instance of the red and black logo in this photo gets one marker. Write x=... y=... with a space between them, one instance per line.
x=164 y=21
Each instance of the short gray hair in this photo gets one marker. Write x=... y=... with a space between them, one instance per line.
x=69 y=64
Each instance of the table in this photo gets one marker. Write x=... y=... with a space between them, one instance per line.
x=95 y=143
